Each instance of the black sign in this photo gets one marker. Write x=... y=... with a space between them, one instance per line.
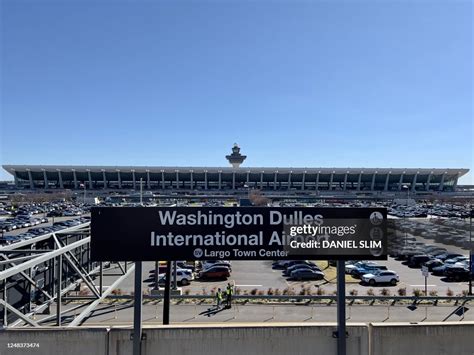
x=237 y=233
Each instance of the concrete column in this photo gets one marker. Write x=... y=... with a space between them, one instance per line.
x=75 y=178
x=191 y=180
x=248 y=178
x=220 y=180
x=60 y=177
x=119 y=179
x=177 y=179
x=134 y=180
x=317 y=181
x=345 y=181
x=359 y=181
x=162 y=180
x=261 y=180
x=205 y=180
x=455 y=185
x=275 y=179
x=372 y=185
x=427 y=187
x=148 y=182
x=233 y=180
x=30 y=177
x=15 y=177
x=90 y=179
x=400 y=183
x=303 y=181
x=331 y=181
x=45 y=177
x=413 y=183
x=104 y=179
x=289 y=180
x=385 y=188
x=441 y=184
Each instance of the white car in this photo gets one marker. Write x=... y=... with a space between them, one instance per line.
x=184 y=277
x=383 y=276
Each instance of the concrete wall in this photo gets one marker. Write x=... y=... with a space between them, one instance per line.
x=241 y=339
x=422 y=338
x=273 y=339
x=78 y=341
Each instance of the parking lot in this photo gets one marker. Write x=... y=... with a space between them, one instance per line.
x=259 y=277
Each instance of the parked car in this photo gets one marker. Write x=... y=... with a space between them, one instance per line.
x=215 y=272
x=289 y=270
x=223 y=264
x=431 y=264
x=307 y=274
x=182 y=277
x=281 y=264
x=447 y=256
x=359 y=271
x=184 y=265
x=9 y=239
x=457 y=272
x=349 y=267
x=418 y=260
x=205 y=264
x=439 y=270
x=382 y=276
x=457 y=259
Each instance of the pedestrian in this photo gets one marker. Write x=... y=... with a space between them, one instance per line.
x=218 y=298
x=229 y=293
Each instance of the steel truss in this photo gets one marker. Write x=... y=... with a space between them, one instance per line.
x=36 y=273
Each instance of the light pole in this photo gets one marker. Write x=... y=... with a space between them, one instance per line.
x=247 y=187
x=405 y=187
x=157 y=270
x=84 y=186
x=141 y=191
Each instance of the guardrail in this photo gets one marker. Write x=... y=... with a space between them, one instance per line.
x=290 y=297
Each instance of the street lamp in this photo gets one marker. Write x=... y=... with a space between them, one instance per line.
x=405 y=187
x=141 y=191
x=84 y=186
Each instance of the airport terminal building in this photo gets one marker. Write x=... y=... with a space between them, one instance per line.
x=234 y=178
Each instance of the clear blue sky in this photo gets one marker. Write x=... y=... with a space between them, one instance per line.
x=295 y=83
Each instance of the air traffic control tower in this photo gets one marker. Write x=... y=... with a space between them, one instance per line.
x=235 y=159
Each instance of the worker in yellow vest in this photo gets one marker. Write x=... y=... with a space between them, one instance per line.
x=218 y=298
x=228 y=293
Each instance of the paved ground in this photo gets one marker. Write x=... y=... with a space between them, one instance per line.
x=122 y=313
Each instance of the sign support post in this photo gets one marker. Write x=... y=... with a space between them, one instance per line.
x=425 y=272
x=137 y=310
x=166 y=305
x=341 y=308
x=175 y=275
x=426 y=286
